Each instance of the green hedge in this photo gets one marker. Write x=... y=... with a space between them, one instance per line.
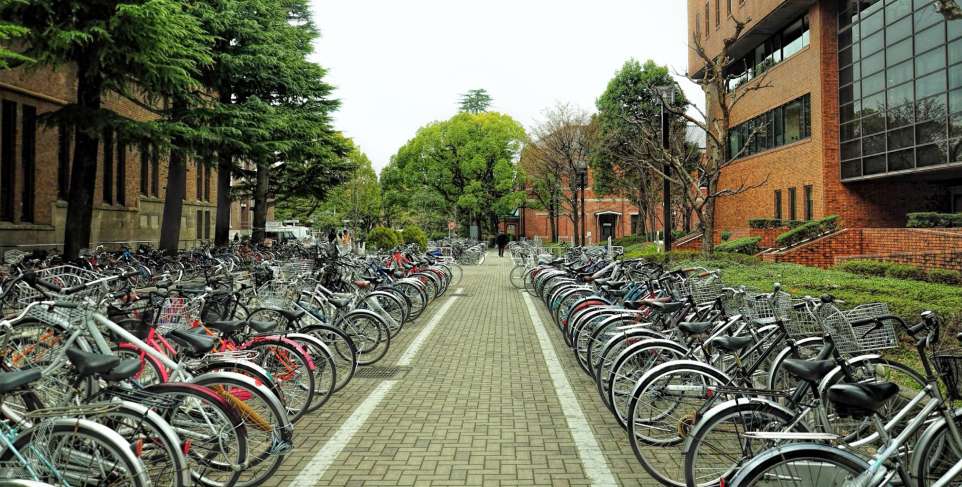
x=878 y=268
x=629 y=240
x=807 y=231
x=934 y=220
x=773 y=223
x=414 y=235
x=747 y=246
x=383 y=238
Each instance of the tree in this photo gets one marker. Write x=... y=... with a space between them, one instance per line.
x=949 y=8
x=476 y=101
x=467 y=164
x=559 y=144
x=9 y=58
x=627 y=110
x=701 y=187
x=543 y=187
x=138 y=49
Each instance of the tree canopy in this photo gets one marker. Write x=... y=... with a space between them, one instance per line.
x=476 y=101
x=466 y=165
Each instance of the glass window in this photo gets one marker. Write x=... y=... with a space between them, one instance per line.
x=845 y=57
x=930 y=108
x=847 y=113
x=955 y=101
x=955 y=77
x=809 y=202
x=873 y=165
x=930 y=61
x=898 y=31
x=955 y=125
x=873 y=84
x=851 y=150
x=873 y=124
x=900 y=115
x=954 y=28
x=904 y=137
x=902 y=160
x=899 y=52
x=929 y=38
x=794 y=122
x=852 y=169
x=955 y=151
x=850 y=131
x=871 y=23
x=955 y=51
x=873 y=104
x=873 y=64
x=778 y=204
x=778 y=125
x=926 y=17
x=795 y=37
x=845 y=39
x=845 y=76
x=930 y=85
x=845 y=94
x=899 y=74
x=792 y=201
x=900 y=95
x=872 y=43
x=931 y=131
x=930 y=155
x=897 y=9
x=873 y=145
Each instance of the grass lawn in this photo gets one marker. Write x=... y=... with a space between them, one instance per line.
x=906 y=298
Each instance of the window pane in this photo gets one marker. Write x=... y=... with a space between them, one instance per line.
x=904 y=137
x=871 y=23
x=955 y=125
x=926 y=17
x=955 y=51
x=794 y=122
x=873 y=124
x=873 y=165
x=900 y=95
x=845 y=94
x=930 y=155
x=955 y=28
x=873 y=84
x=897 y=9
x=901 y=160
x=898 y=31
x=930 y=85
x=955 y=77
x=930 y=61
x=955 y=101
x=931 y=37
x=873 y=64
x=930 y=108
x=845 y=57
x=847 y=113
x=899 y=52
x=930 y=131
x=873 y=145
x=845 y=76
x=851 y=131
x=779 y=126
x=872 y=43
x=873 y=104
x=852 y=169
x=851 y=149
x=844 y=39
x=900 y=115
x=899 y=74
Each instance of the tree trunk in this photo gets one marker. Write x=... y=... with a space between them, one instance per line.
x=707 y=219
x=224 y=173
x=261 y=186
x=173 y=202
x=83 y=177
x=642 y=214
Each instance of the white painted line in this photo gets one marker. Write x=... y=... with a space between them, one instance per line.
x=322 y=460
x=592 y=458
x=312 y=473
x=422 y=337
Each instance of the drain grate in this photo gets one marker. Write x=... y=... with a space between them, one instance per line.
x=381 y=372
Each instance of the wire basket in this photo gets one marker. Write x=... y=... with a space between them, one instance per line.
x=949 y=365
x=64 y=276
x=801 y=321
x=276 y=294
x=705 y=289
x=851 y=339
x=178 y=313
x=762 y=306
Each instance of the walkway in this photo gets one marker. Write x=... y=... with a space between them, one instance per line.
x=476 y=405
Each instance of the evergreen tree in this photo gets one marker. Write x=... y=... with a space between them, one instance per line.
x=476 y=101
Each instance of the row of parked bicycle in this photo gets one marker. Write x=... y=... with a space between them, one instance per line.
x=137 y=369
x=728 y=386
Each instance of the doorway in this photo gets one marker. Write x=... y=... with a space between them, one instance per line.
x=608 y=226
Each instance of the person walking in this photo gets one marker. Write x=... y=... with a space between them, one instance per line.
x=502 y=241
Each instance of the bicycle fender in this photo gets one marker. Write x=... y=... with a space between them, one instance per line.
x=724 y=407
x=829 y=377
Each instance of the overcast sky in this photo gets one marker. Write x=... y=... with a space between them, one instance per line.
x=399 y=65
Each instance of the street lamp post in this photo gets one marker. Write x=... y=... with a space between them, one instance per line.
x=581 y=168
x=665 y=94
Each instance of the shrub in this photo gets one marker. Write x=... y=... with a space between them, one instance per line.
x=414 y=235
x=383 y=238
x=944 y=276
x=629 y=240
x=934 y=220
x=726 y=235
x=747 y=245
x=864 y=267
x=773 y=223
x=807 y=231
x=905 y=271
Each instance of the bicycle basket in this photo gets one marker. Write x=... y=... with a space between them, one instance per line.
x=801 y=322
x=853 y=339
x=766 y=306
x=276 y=295
x=178 y=313
x=705 y=289
x=949 y=365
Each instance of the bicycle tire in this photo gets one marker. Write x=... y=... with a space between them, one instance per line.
x=811 y=454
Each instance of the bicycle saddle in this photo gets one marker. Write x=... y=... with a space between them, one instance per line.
x=196 y=345
x=861 y=400
x=810 y=370
x=123 y=371
x=732 y=344
x=88 y=364
x=660 y=306
x=362 y=284
x=291 y=315
x=695 y=327
x=341 y=299
x=11 y=381
x=225 y=327
x=261 y=326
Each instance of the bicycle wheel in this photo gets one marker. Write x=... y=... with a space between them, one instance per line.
x=77 y=452
x=151 y=370
x=517 y=276
x=151 y=439
x=344 y=353
x=213 y=435
x=718 y=445
x=325 y=371
x=630 y=365
x=937 y=452
x=291 y=368
x=369 y=333
x=388 y=306
x=415 y=295
x=800 y=465
x=269 y=430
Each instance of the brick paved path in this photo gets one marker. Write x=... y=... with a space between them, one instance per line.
x=477 y=406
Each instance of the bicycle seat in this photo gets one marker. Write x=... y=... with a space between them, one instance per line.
x=732 y=344
x=225 y=327
x=11 y=381
x=123 y=371
x=88 y=364
x=261 y=326
x=660 y=306
x=861 y=400
x=810 y=370
x=291 y=315
x=341 y=299
x=196 y=345
x=362 y=284
x=695 y=327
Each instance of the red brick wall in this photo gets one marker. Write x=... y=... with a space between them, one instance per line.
x=923 y=247
x=768 y=235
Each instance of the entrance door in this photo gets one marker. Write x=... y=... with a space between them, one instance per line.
x=608 y=226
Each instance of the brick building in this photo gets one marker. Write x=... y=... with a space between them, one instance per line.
x=863 y=115
x=131 y=180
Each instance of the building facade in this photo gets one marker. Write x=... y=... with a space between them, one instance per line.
x=35 y=162
x=856 y=107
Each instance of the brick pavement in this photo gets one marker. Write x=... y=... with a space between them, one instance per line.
x=476 y=408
